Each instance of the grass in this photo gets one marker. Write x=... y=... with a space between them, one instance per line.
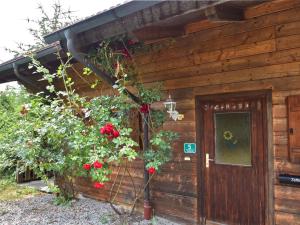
x=9 y=190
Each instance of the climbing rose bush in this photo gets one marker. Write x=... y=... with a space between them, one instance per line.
x=72 y=136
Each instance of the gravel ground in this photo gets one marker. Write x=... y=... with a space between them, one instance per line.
x=40 y=210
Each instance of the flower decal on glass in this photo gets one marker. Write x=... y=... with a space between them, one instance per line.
x=229 y=139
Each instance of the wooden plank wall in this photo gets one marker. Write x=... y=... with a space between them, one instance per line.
x=260 y=53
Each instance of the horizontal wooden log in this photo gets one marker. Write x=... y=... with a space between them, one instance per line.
x=176 y=205
x=280 y=138
x=278 y=84
x=282 y=166
x=281 y=17
x=180 y=126
x=270 y=7
x=288 y=42
x=260 y=60
x=282 y=218
x=261 y=73
x=279 y=111
x=201 y=25
x=195 y=45
x=288 y=206
x=211 y=56
x=288 y=29
x=280 y=124
x=281 y=152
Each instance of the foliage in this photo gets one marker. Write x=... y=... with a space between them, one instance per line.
x=149 y=95
x=160 y=152
x=46 y=23
x=119 y=54
x=11 y=102
x=63 y=200
x=63 y=133
x=72 y=136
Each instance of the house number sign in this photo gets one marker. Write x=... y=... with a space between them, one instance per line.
x=189 y=148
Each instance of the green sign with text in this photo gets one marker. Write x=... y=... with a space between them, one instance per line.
x=189 y=147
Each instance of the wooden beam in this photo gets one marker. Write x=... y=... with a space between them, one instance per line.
x=158 y=32
x=223 y=13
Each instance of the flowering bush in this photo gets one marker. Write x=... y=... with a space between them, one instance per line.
x=73 y=136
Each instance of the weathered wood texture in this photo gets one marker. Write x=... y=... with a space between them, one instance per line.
x=293 y=128
x=263 y=52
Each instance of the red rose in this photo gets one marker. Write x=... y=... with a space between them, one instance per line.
x=110 y=131
x=145 y=108
x=151 y=170
x=109 y=128
x=102 y=130
x=98 y=165
x=116 y=134
x=98 y=185
x=86 y=166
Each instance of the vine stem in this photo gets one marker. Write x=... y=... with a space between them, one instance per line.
x=63 y=73
x=140 y=193
x=110 y=193
x=120 y=183
x=132 y=181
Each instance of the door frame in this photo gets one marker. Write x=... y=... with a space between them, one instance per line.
x=268 y=146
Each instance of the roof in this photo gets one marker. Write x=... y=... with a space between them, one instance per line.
x=131 y=17
x=46 y=54
x=102 y=17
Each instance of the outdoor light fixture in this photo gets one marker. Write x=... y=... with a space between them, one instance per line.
x=170 y=105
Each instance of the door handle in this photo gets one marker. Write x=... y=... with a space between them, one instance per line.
x=207 y=160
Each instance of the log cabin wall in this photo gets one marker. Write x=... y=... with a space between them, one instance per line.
x=260 y=53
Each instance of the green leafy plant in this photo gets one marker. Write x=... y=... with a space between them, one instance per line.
x=73 y=137
x=12 y=104
x=63 y=201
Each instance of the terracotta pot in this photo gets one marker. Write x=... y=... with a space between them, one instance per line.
x=147 y=211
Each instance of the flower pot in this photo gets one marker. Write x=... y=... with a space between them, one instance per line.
x=147 y=211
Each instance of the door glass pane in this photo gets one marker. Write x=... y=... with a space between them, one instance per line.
x=233 y=138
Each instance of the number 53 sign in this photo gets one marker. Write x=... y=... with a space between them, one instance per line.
x=189 y=148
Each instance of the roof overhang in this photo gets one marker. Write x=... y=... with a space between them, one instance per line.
x=143 y=19
x=101 y=18
x=46 y=55
x=131 y=17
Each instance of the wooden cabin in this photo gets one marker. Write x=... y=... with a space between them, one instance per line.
x=233 y=67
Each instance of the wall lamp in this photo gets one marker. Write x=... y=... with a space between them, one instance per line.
x=170 y=105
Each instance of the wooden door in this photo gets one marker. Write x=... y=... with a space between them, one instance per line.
x=233 y=153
